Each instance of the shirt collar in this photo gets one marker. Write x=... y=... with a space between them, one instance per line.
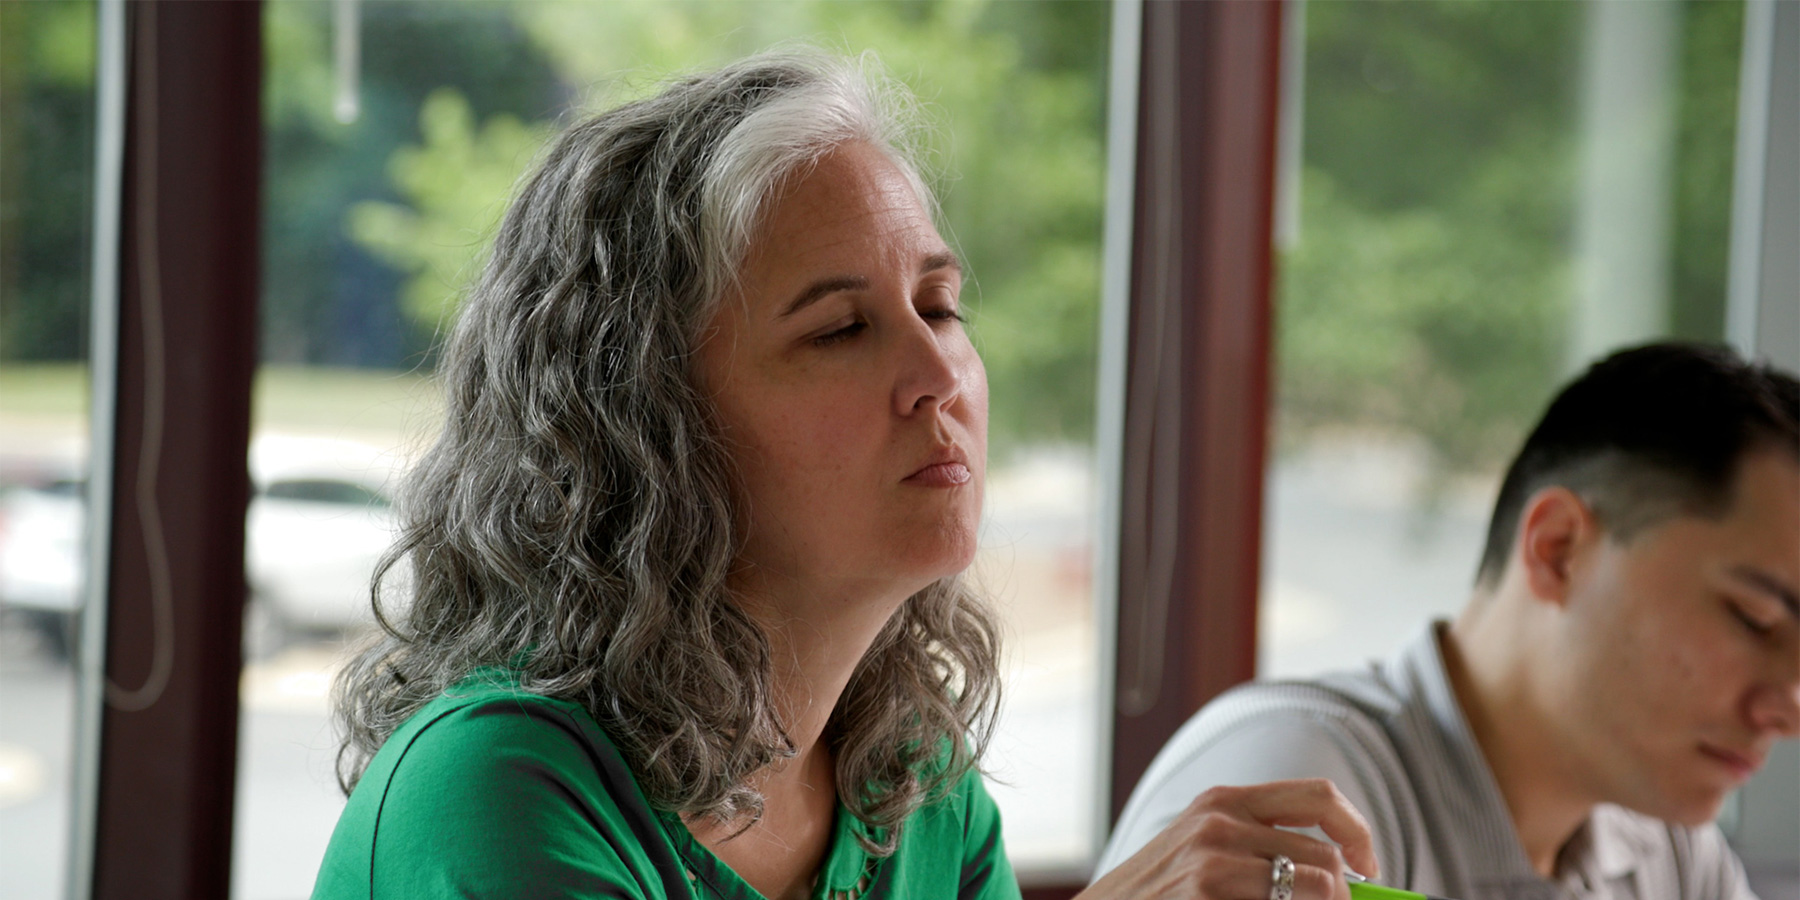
x=1616 y=846
x=1456 y=767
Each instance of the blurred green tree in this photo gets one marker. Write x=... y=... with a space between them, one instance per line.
x=1427 y=293
x=1430 y=288
x=1706 y=142
x=327 y=298
x=1017 y=160
x=46 y=178
x=457 y=182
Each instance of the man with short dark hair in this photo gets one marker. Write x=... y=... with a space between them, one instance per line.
x=1629 y=655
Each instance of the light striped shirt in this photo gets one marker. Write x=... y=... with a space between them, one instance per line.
x=1393 y=739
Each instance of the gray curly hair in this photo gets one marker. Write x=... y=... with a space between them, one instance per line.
x=574 y=519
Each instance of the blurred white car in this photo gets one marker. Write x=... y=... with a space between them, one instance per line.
x=319 y=520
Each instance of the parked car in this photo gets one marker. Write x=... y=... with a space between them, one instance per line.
x=318 y=521
x=40 y=558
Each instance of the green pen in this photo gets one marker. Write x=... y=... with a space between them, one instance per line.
x=1363 y=889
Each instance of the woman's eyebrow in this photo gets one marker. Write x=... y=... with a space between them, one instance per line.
x=1769 y=584
x=936 y=261
x=832 y=284
x=822 y=287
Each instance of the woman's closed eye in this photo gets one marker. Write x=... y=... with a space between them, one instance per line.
x=843 y=332
x=939 y=304
x=850 y=328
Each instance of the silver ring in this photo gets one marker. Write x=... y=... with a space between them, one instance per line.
x=1281 y=878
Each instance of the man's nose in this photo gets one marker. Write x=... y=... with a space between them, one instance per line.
x=1776 y=706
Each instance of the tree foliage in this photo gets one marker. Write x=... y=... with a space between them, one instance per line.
x=1017 y=158
x=1431 y=286
x=456 y=182
x=1428 y=293
x=329 y=298
x=46 y=177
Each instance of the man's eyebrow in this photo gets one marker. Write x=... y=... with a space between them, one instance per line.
x=822 y=287
x=1767 y=583
x=933 y=263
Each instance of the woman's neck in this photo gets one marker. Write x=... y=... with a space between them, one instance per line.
x=816 y=640
x=817 y=635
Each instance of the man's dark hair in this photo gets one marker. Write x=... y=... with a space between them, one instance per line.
x=1647 y=434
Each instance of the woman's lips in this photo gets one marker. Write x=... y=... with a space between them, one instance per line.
x=946 y=466
x=941 y=474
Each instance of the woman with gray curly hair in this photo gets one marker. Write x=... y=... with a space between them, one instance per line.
x=682 y=610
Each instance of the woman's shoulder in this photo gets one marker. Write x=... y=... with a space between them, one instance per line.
x=493 y=785
x=484 y=727
x=472 y=710
x=486 y=706
x=480 y=725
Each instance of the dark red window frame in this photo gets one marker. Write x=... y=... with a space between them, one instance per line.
x=1197 y=383
x=1201 y=260
x=187 y=353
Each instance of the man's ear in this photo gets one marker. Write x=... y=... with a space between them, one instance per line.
x=1554 y=528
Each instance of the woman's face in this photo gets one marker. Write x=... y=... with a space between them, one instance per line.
x=849 y=395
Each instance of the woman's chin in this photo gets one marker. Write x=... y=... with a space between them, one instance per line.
x=947 y=558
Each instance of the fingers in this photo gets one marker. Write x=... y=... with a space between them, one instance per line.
x=1245 y=850
x=1305 y=803
x=1213 y=855
x=1251 y=878
x=1221 y=847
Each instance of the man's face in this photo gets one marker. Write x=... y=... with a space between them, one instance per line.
x=1683 y=650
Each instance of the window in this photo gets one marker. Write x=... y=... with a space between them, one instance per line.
x=47 y=165
x=1487 y=198
x=386 y=171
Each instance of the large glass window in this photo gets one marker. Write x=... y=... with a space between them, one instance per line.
x=47 y=105
x=387 y=169
x=1488 y=197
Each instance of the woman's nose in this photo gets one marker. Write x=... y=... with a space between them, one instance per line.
x=930 y=369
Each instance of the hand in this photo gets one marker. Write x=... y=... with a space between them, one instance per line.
x=1222 y=847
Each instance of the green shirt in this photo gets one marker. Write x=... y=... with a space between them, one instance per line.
x=490 y=791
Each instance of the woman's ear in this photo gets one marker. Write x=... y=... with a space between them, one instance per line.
x=1556 y=527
